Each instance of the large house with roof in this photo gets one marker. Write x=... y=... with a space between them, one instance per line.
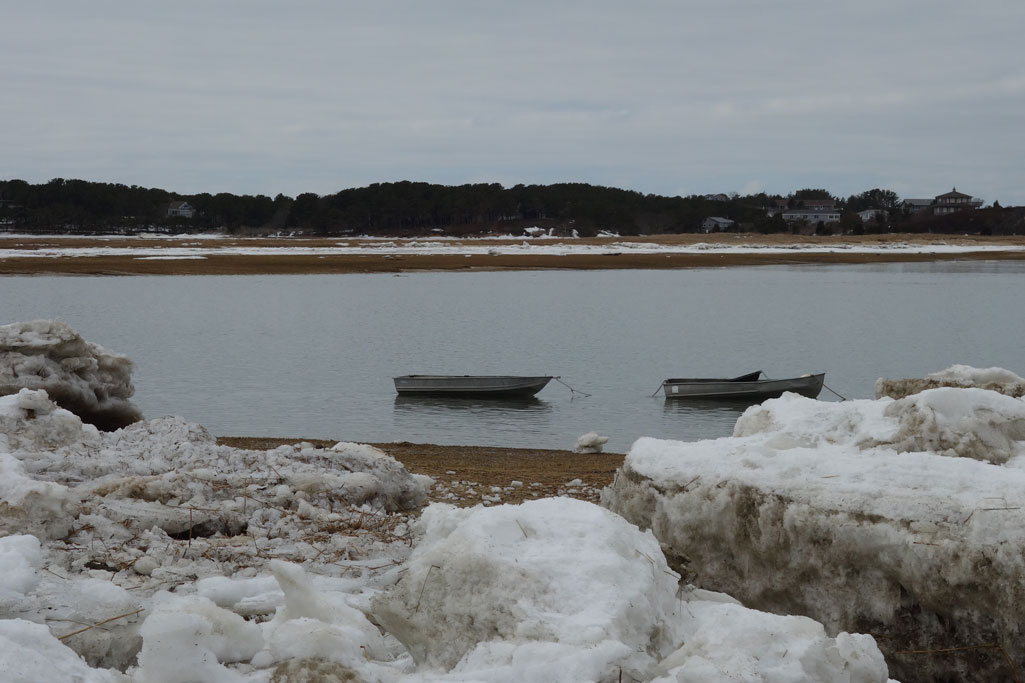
x=942 y=204
x=953 y=201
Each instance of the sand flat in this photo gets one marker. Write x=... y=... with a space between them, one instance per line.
x=207 y=255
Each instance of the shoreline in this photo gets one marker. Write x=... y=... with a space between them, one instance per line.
x=181 y=255
x=469 y=475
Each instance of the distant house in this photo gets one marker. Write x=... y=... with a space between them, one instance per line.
x=180 y=208
x=777 y=206
x=942 y=204
x=871 y=214
x=917 y=205
x=720 y=197
x=813 y=216
x=716 y=224
x=953 y=201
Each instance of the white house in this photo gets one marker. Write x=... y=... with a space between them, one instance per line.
x=180 y=208
x=870 y=214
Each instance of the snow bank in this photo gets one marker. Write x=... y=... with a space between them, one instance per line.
x=901 y=518
x=562 y=590
x=964 y=376
x=157 y=504
x=83 y=377
x=551 y=590
x=967 y=423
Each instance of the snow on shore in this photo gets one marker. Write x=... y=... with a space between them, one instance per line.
x=225 y=565
x=904 y=518
x=447 y=246
x=994 y=379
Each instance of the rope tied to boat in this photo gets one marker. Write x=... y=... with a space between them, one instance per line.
x=842 y=398
x=572 y=390
x=824 y=386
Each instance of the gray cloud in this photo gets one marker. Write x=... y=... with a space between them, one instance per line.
x=663 y=97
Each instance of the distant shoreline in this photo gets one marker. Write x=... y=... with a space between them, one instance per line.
x=205 y=255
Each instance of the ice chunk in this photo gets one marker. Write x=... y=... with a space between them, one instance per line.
x=590 y=443
x=963 y=376
x=316 y=625
x=726 y=641
x=189 y=639
x=30 y=421
x=20 y=561
x=490 y=587
x=44 y=509
x=81 y=376
x=29 y=654
x=854 y=514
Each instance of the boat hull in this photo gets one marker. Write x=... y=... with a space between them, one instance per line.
x=480 y=386
x=751 y=390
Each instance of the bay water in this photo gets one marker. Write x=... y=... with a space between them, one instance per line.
x=313 y=356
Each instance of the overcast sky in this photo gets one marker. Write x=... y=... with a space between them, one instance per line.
x=683 y=97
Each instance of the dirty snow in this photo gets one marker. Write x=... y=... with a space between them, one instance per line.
x=994 y=379
x=215 y=564
x=905 y=518
x=81 y=376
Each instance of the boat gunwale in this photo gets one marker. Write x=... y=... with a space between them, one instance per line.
x=751 y=389
x=508 y=385
x=519 y=377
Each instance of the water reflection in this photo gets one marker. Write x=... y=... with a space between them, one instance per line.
x=426 y=405
x=708 y=407
x=697 y=419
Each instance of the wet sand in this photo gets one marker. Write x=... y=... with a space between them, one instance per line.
x=614 y=258
x=468 y=475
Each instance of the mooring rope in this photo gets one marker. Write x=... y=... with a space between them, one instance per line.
x=842 y=398
x=575 y=391
x=658 y=390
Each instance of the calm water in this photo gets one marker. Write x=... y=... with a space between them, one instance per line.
x=313 y=356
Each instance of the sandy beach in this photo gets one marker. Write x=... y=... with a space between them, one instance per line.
x=464 y=475
x=28 y=255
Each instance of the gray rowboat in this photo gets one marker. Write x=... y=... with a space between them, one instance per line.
x=480 y=386
x=745 y=387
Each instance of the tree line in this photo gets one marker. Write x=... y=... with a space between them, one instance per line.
x=415 y=208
